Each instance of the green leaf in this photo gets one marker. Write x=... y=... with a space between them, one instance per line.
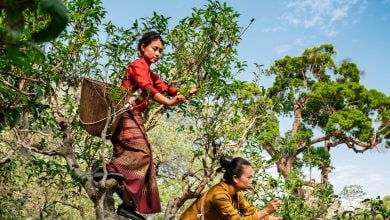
x=59 y=18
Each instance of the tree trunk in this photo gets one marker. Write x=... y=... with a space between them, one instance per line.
x=105 y=208
x=173 y=206
x=297 y=120
x=175 y=203
x=285 y=164
x=325 y=165
x=99 y=207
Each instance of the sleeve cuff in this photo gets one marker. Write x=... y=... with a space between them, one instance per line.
x=172 y=90
x=151 y=90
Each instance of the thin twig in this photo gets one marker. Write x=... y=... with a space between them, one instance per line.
x=16 y=89
x=8 y=158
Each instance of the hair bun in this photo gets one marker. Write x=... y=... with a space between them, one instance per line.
x=225 y=161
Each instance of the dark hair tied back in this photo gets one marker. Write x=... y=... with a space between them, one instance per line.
x=232 y=167
x=148 y=37
x=225 y=161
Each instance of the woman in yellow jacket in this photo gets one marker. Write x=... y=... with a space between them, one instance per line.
x=223 y=201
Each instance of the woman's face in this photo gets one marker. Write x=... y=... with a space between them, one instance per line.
x=152 y=52
x=245 y=180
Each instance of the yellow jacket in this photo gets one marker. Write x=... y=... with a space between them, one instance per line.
x=219 y=205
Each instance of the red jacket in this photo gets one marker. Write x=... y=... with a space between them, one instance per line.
x=139 y=76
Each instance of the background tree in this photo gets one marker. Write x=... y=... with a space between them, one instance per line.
x=352 y=195
x=319 y=95
x=368 y=209
x=386 y=202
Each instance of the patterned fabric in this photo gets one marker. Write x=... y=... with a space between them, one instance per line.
x=132 y=151
x=133 y=158
x=139 y=76
x=219 y=205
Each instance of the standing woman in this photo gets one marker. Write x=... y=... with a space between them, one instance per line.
x=132 y=151
x=224 y=200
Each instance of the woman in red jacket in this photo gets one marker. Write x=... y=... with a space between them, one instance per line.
x=132 y=151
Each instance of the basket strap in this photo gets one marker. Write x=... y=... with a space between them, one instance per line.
x=120 y=111
x=200 y=216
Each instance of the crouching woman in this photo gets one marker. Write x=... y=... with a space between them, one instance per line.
x=224 y=200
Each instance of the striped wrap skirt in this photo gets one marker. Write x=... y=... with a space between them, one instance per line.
x=133 y=158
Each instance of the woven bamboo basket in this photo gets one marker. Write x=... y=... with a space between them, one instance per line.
x=97 y=106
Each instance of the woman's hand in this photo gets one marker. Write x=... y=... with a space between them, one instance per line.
x=269 y=209
x=193 y=90
x=160 y=98
x=272 y=206
x=274 y=218
x=177 y=100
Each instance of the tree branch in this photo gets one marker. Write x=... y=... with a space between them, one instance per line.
x=353 y=143
x=78 y=208
x=245 y=133
x=66 y=148
x=352 y=146
x=16 y=89
x=153 y=117
x=20 y=77
x=317 y=140
x=314 y=141
x=37 y=148
x=175 y=203
x=298 y=116
x=8 y=158
x=34 y=131
x=269 y=148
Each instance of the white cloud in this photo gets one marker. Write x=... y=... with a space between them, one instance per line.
x=338 y=14
x=325 y=15
x=273 y=29
x=284 y=48
x=373 y=183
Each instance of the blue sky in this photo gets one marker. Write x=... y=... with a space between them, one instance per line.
x=359 y=30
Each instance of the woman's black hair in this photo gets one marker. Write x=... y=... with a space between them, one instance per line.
x=148 y=37
x=233 y=167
